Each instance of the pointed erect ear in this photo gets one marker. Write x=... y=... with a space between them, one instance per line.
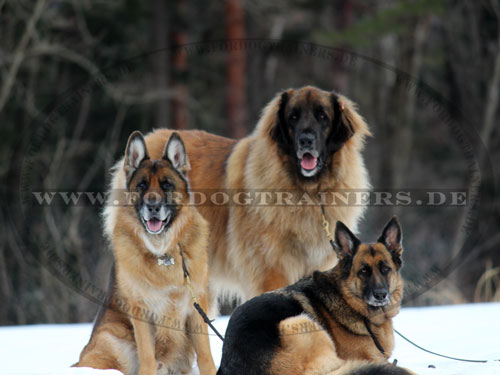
x=175 y=152
x=392 y=238
x=135 y=153
x=392 y=235
x=346 y=241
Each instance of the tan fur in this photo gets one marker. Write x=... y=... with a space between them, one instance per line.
x=345 y=344
x=257 y=249
x=306 y=349
x=151 y=324
x=277 y=245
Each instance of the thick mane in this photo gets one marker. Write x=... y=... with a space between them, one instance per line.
x=268 y=119
x=117 y=187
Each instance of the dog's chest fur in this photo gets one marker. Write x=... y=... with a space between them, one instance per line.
x=168 y=299
x=349 y=345
x=160 y=288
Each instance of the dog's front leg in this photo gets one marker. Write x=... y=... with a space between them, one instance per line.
x=198 y=332
x=144 y=338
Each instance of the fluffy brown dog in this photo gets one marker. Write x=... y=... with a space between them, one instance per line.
x=148 y=322
x=308 y=141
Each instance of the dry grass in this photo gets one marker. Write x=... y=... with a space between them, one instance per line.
x=488 y=285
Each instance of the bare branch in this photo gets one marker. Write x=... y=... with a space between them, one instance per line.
x=82 y=23
x=114 y=92
x=19 y=53
x=493 y=91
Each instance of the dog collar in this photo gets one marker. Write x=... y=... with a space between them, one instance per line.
x=165 y=260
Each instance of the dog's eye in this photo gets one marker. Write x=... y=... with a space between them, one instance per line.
x=142 y=185
x=294 y=116
x=385 y=270
x=321 y=115
x=364 y=272
x=165 y=185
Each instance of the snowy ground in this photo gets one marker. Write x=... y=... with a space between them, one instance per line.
x=467 y=331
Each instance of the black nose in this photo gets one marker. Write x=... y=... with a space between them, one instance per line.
x=153 y=207
x=380 y=294
x=306 y=140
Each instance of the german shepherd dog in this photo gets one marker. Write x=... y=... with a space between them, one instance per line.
x=148 y=324
x=333 y=322
x=308 y=141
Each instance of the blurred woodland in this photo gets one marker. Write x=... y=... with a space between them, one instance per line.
x=78 y=76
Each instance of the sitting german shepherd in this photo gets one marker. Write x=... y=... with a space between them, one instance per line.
x=148 y=323
x=333 y=322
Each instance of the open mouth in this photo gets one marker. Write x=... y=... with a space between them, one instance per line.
x=155 y=225
x=309 y=163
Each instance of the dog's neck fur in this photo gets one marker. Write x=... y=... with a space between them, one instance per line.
x=337 y=308
x=333 y=306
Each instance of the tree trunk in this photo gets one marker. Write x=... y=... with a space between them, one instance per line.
x=342 y=20
x=236 y=69
x=178 y=105
x=159 y=59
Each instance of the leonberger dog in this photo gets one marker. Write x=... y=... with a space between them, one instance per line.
x=333 y=322
x=308 y=141
x=148 y=324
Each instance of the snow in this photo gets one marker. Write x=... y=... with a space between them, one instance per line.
x=466 y=331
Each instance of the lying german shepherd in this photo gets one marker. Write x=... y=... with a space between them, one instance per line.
x=333 y=322
x=308 y=141
x=149 y=322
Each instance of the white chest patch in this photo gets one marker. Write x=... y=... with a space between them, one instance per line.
x=157 y=246
x=159 y=301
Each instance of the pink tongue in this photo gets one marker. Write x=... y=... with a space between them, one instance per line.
x=154 y=225
x=308 y=162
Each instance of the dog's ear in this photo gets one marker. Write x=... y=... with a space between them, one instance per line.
x=175 y=152
x=135 y=153
x=341 y=129
x=280 y=132
x=392 y=238
x=346 y=122
x=346 y=241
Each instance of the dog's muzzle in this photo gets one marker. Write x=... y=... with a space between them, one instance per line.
x=378 y=298
x=155 y=217
x=308 y=154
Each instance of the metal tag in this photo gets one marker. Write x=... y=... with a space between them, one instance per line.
x=166 y=260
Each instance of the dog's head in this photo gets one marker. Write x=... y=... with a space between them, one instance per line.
x=158 y=187
x=369 y=272
x=311 y=126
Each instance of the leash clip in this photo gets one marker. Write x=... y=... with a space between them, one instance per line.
x=326 y=227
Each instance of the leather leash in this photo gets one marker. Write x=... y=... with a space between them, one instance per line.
x=193 y=296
